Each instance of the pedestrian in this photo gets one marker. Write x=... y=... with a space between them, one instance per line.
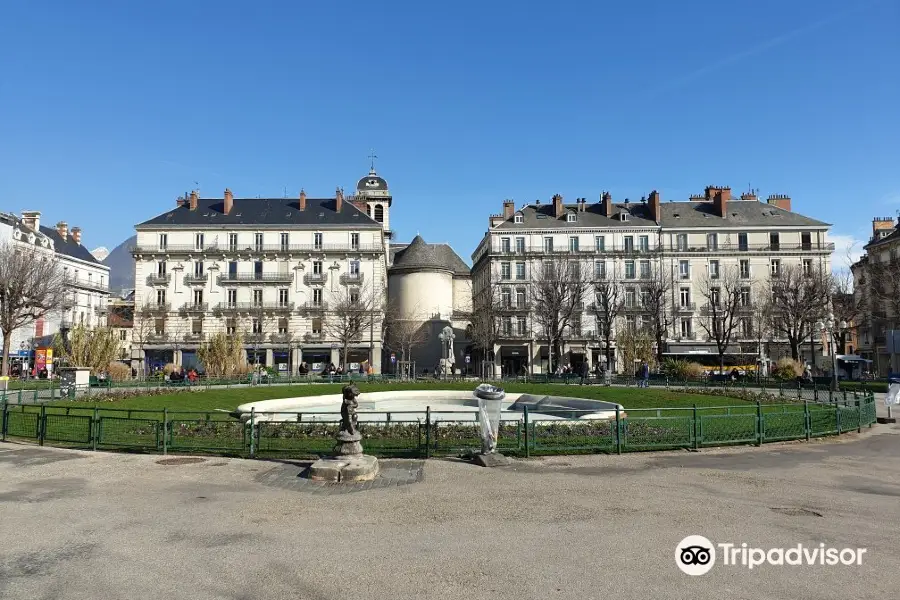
x=645 y=374
x=585 y=371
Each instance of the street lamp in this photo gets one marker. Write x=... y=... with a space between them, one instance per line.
x=828 y=327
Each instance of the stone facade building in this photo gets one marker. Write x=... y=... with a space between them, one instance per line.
x=688 y=243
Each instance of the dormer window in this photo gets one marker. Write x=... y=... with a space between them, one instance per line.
x=519 y=218
x=570 y=218
x=623 y=216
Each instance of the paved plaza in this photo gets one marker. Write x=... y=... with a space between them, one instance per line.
x=82 y=525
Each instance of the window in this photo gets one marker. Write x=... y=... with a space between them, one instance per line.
x=160 y=297
x=645 y=298
x=599 y=270
x=317 y=325
x=623 y=217
x=285 y=242
x=520 y=297
x=742 y=242
x=504 y=245
x=629 y=243
x=686 y=328
x=198 y=269
x=600 y=243
x=198 y=241
x=507 y=326
x=163 y=241
x=575 y=325
x=630 y=298
x=198 y=297
x=282 y=326
x=519 y=219
x=354 y=241
x=283 y=297
x=775 y=267
x=230 y=326
x=549 y=271
x=681 y=241
x=684 y=296
x=257 y=298
x=317 y=241
x=805 y=240
x=629 y=322
x=232 y=241
x=317 y=296
x=379 y=213
x=368 y=210
x=644 y=243
x=232 y=298
x=745 y=269
x=717 y=327
x=123 y=335
x=197 y=326
x=715 y=296
x=629 y=269
x=317 y=267
x=160 y=269
x=575 y=271
x=256 y=326
x=354 y=268
x=684 y=269
x=645 y=269
x=713 y=269
x=774 y=241
x=232 y=269
x=258 y=270
x=520 y=270
x=746 y=327
x=712 y=241
x=548 y=244
x=159 y=325
x=505 y=270
x=506 y=297
x=520 y=245
x=354 y=296
x=573 y=244
x=807 y=267
x=745 y=297
x=571 y=218
x=521 y=326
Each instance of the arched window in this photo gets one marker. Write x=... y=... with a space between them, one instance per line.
x=379 y=213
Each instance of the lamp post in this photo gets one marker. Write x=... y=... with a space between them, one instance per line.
x=828 y=327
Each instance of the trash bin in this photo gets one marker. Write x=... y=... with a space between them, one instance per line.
x=490 y=400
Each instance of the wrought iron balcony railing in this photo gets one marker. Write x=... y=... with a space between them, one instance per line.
x=85 y=283
x=351 y=279
x=254 y=248
x=194 y=279
x=311 y=278
x=258 y=278
x=194 y=307
x=247 y=307
x=157 y=279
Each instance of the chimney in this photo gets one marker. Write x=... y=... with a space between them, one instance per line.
x=509 y=209
x=229 y=201
x=606 y=204
x=654 y=206
x=193 y=201
x=62 y=228
x=749 y=197
x=558 y=206
x=76 y=235
x=882 y=226
x=781 y=201
x=32 y=219
x=180 y=201
x=338 y=199
x=302 y=200
x=720 y=201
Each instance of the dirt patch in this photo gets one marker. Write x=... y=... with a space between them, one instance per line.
x=181 y=460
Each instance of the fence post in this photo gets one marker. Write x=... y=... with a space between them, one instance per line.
x=252 y=435
x=165 y=430
x=527 y=442
x=858 y=417
x=837 y=418
x=95 y=428
x=428 y=432
x=696 y=429
x=42 y=425
x=807 y=422
x=618 y=431
x=759 y=423
x=3 y=418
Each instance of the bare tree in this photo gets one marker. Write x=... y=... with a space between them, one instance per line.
x=31 y=287
x=799 y=300
x=91 y=348
x=485 y=321
x=655 y=300
x=142 y=329
x=352 y=312
x=558 y=294
x=609 y=303
x=846 y=306
x=761 y=320
x=403 y=332
x=723 y=301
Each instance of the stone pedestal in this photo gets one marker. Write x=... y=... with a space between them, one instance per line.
x=344 y=469
x=491 y=459
x=349 y=444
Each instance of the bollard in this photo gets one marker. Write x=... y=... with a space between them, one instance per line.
x=527 y=444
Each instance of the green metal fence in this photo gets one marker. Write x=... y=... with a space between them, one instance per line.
x=402 y=434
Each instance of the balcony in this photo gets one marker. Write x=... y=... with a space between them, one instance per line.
x=314 y=306
x=66 y=324
x=157 y=337
x=101 y=310
x=157 y=279
x=194 y=338
x=315 y=278
x=514 y=308
x=255 y=278
x=195 y=279
x=637 y=307
x=351 y=279
x=746 y=307
x=217 y=249
x=247 y=307
x=515 y=334
x=690 y=335
x=254 y=338
x=280 y=338
x=315 y=336
x=624 y=250
x=157 y=308
x=194 y=308
x=686 y=307
x=85 y=283
x=751 y=248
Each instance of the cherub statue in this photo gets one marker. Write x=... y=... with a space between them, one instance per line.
x=348 y=409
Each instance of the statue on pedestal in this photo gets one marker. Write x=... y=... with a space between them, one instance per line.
x=349 y=437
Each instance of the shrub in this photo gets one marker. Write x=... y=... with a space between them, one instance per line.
x=682 y=370
x=119 y=371
x=787 y=369
x=169 y=368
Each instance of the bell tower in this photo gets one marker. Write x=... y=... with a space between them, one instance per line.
x=373 y=190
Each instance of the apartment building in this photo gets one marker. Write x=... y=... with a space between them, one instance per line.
x=689 y=243
x=86 y=279
x=271 y=269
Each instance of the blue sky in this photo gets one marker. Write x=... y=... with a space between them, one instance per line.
x=110 y=110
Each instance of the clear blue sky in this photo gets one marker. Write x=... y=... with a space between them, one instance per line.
x=109 y=110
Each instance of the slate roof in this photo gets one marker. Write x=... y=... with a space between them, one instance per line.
x=690 y=214
x=419 y=254
x=319 y=213
x=69 y=247
x=888 y=239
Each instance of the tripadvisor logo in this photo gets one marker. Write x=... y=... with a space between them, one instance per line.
x=696 y=555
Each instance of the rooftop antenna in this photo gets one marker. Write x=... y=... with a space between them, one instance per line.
x=372 y=157
x=197 y=185
x=285 y=191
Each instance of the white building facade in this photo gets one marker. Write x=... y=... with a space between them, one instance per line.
x=687 y=242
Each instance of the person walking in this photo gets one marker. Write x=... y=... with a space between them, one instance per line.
x=585 y=371
x=645 y=374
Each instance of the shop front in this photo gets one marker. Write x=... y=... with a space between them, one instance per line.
x=513 y=360
x=281 y=361
x=316 y=359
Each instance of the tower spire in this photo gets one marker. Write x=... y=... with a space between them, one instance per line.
x=372 y=157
